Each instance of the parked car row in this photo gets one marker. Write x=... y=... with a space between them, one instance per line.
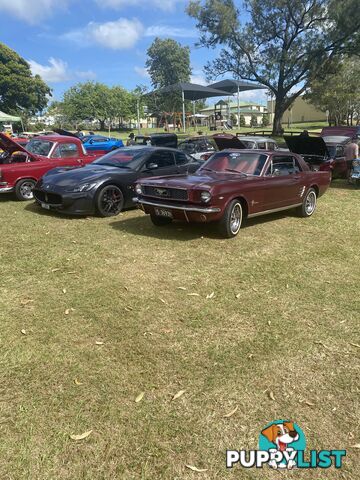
x=167 y=183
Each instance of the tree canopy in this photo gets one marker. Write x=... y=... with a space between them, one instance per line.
x=20 y=91
x=338 y=93
x=168 y=63
x=284 y=44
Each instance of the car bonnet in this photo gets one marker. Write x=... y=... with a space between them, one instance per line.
x=307 y=145
x=8 y=145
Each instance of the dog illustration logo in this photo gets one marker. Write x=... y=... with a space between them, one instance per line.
x=282 y=436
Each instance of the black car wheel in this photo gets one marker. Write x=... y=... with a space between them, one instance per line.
x=160 y=221
x=309 y=204
x=109 y=201
x=230 y=223
x=24 y=189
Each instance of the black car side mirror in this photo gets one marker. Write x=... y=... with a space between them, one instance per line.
x=152 y=166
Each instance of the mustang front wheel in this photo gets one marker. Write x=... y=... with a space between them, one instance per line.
x=24 y=189
x=309 y=204
x=230 y=223
x=109 y=201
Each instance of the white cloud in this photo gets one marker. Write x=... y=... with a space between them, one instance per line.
x=117 y=35
x=165 y=5
x=58 y=71
x=198 y=78
x=254 y=95
x=142 y=71
x=31 y=11
x=168 y=31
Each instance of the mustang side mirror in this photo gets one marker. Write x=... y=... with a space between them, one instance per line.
x=152 y=166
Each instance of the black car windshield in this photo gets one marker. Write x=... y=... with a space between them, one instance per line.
x=123 y=158
x=39 y=147
x=233 y=162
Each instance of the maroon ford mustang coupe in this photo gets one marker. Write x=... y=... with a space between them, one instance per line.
x=233 y=185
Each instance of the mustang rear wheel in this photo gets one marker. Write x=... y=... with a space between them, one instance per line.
x=160 y=221
x=308 y=206
x=109 y=201
x=24 y=189
x=231 y=221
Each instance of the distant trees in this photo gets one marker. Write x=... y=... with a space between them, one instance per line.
x=168 y=62
x=338 y=93
x=253 y=120
x=242 y=121
x=94 y=101
x=283 y=44
x=20 y=91
x=265 y=121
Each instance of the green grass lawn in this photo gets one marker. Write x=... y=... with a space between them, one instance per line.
x=96 y=311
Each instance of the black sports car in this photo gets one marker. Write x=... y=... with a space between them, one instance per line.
x=106 y=186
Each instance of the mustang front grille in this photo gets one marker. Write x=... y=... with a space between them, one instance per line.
x=166 y=193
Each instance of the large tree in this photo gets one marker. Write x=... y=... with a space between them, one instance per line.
x=338 y=93
x=20 y=91
x=168 y=63
x=89 y=100
x=283 y=45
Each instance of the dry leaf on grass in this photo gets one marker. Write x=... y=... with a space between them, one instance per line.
x=23 y=331
x=318 y=342
x=178 y=394
x=76 y=381
x=67 y=311
x=195 y=469
x=309 y=404
x=64 y=290
x=181 y=288
x=210 y=295
x=357 y=445
x=162 y=300
x=55 y=270
x=194 y=294
x=271 y=395
x=139 y=397
x=355 y=345
x=99 y=343
x=25 y=302
x=230 y=414
x=238 y=295
x=81 y=436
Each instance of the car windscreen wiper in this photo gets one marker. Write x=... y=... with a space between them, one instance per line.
x=208 y=170
x=236 y=171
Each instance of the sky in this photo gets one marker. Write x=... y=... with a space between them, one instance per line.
x=69 y=41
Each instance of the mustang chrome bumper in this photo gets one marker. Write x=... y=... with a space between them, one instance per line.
x=187 y=208
x=6 y=189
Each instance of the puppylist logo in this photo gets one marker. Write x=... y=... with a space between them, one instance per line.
x=282 y=446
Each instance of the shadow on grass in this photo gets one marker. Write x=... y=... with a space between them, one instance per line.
x=183 y=231
x=343 y=184
x=35 y=208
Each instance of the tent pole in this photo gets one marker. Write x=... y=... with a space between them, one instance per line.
x=238 y=105
x=194 y=118
x=183 y=109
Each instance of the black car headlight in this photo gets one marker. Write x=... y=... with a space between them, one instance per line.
x=205 y=196
x=85 y=187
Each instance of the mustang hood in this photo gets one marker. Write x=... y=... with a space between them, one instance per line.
x=8 y=145
x=307 y=145
x=200 y=179
x=226 y=140
x=69 y=177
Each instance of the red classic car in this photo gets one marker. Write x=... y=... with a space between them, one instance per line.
x=233 y=185
x=21 y=168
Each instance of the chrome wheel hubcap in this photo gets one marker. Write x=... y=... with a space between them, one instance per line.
x=310 y=203
x=235 y=218
x=26 y=190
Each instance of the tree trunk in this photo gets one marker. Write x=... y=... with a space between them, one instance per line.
x=279 y=110
x=102 y=124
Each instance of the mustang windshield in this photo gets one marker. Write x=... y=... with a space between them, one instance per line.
x=233 y=162
x=122 y=158
x=39 y=147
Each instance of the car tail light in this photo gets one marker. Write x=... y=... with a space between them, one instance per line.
x=0 y=174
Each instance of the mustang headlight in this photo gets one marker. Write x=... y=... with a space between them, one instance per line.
x=85 y=187
x=138 y=189
x=205 y=196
